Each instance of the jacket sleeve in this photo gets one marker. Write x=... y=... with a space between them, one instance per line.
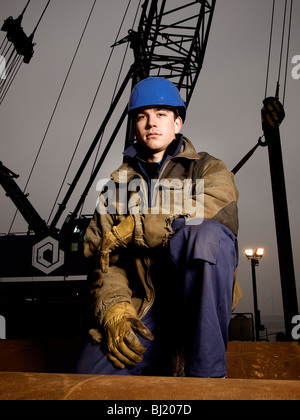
x=220 y=193
x=110 y=288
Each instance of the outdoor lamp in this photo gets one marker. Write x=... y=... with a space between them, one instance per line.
x=254 y=257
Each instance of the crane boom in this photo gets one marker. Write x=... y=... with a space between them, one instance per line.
x=176 y=39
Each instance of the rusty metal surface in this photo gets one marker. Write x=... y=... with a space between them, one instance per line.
x=40 y=370
x=41 y=386
x=245 y=360
x=263 y=360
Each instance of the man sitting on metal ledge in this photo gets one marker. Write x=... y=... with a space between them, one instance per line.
x=163 y=250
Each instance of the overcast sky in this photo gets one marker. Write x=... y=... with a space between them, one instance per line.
x=223 y=116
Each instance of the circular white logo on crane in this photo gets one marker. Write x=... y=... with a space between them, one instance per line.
x=46 y=255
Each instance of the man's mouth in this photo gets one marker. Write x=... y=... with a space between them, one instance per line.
x=149 y=135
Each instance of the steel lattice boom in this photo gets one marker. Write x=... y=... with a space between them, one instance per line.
x=176 y=40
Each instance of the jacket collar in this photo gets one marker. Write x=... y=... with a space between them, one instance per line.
x=184 y=149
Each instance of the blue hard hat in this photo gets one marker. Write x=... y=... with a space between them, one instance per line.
x=156 y=91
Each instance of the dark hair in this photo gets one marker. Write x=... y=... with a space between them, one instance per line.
x=170 y=108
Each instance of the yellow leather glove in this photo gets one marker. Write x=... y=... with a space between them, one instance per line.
x=272 y=114
x=124 y=348
x=118 y=236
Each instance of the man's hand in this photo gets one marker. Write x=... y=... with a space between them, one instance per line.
x=272 y=114
x=118 y=236
x=124 y=348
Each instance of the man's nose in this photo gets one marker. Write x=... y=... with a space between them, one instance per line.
x=152 y=121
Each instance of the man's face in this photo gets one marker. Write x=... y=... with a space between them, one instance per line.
x=156 y=128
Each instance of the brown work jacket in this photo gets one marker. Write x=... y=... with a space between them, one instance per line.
x=129 y=276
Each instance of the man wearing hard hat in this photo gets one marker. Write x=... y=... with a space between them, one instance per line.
x=163 y=250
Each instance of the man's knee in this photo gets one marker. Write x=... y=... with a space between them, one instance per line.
x=201 y=241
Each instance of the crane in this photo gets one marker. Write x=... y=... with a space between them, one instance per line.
x=169 y=41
